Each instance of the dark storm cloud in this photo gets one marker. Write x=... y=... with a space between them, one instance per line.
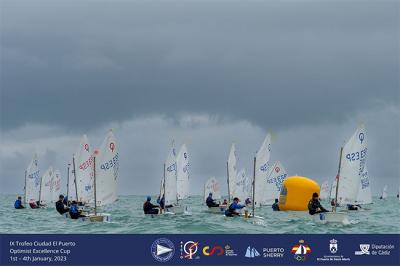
x=81 y=64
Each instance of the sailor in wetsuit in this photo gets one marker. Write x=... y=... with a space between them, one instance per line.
x=18 y=204
x=314 y=206
x=210 y=201
x=149 y=208
x=60 y=206
x=275 y=206
x=232 y=209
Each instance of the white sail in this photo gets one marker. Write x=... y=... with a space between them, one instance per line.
x=56 y=189
x=107 y=168
x=212 y=186
x=364 y=191
x=352 y=166
x=273 y=186
x=325 y=190
x=84 y=171
x=262 y=170
x=170 y=177
x=46 y=189
x=384 y=192
x=232 y=171
x=242 y=186
x=333 y=189
x=32 y=181
x=182 y=163
x=71 y=193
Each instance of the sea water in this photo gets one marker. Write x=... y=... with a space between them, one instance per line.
x=127 y=217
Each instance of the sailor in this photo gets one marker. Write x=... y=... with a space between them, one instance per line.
x=74 y=212
x=232 y=209
x=225 y=202
x=275 y=206
x=60 y=205
x=247 y=202
x=210 y=201
x=149 y=208
x=353 y=207
x=314 y=206
x=34 y=204
x=18 y=203
x=65 y=201
x=162 y=203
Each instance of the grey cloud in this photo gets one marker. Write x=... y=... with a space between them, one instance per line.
x=274 y=64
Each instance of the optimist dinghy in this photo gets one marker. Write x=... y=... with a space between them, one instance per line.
x=351 y=172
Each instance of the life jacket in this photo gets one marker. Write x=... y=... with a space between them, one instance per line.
x=73 y=209
x=17 y=204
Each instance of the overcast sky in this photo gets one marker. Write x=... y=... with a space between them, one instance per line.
x=205 y=73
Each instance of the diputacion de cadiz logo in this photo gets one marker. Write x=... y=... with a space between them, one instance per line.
x=162 y=250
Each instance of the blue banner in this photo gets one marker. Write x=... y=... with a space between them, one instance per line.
x=199 y=249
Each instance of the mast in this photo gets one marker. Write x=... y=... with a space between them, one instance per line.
x=25 y=188
x=163 y=195
x=76 y=185
x=94 y=182
x=254 y=187
x=227 y=178
x=40 y=189
x=337 y=179
x=68 y=180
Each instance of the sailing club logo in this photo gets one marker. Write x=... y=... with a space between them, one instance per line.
x=333 y=246
x=364 y=250
x=86 y=147
x=264 y=167
x=171 y=168
x=162 y=250
x=251 y=252
x=189 y=250
x=277 y=169
x=112 y=146
x=216 y=250
x=301 y=251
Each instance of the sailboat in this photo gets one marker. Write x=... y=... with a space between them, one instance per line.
x=32 y=181
x=352 y=162
x=56 y=185
x=273 y=186
x=384 y=192
x=231 y=171
x=242 y=186
x=212 y=186
x=172 y=199
x=98 y=173
x=182 y=173
x=261 y=171
x=45 y=191
x=71 y=185
x=325 y=190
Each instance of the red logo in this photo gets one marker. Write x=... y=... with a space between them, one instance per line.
x=86 y=147
x=112 y=146
x=277 y=169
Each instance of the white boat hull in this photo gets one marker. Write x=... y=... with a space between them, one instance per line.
x=218 y=210
x=99 y=217
x=331 y=217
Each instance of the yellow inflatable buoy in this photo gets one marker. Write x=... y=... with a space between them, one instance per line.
x=296 y=192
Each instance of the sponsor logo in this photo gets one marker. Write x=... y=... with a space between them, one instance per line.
x=162 y=250
x=216 y=250
x=271 y=252
x=333 y=249
x=189 y=249
x=229 y=251
x=375 y=249
x=333 y=246
x=364 y=250
x=251 y=252
x=301 y=251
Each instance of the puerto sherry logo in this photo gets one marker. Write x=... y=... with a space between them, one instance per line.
x=251 y=252
x=301 y=251
x=189 y=250
x=162 y=250
x=333 y=246
x=273 y=252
